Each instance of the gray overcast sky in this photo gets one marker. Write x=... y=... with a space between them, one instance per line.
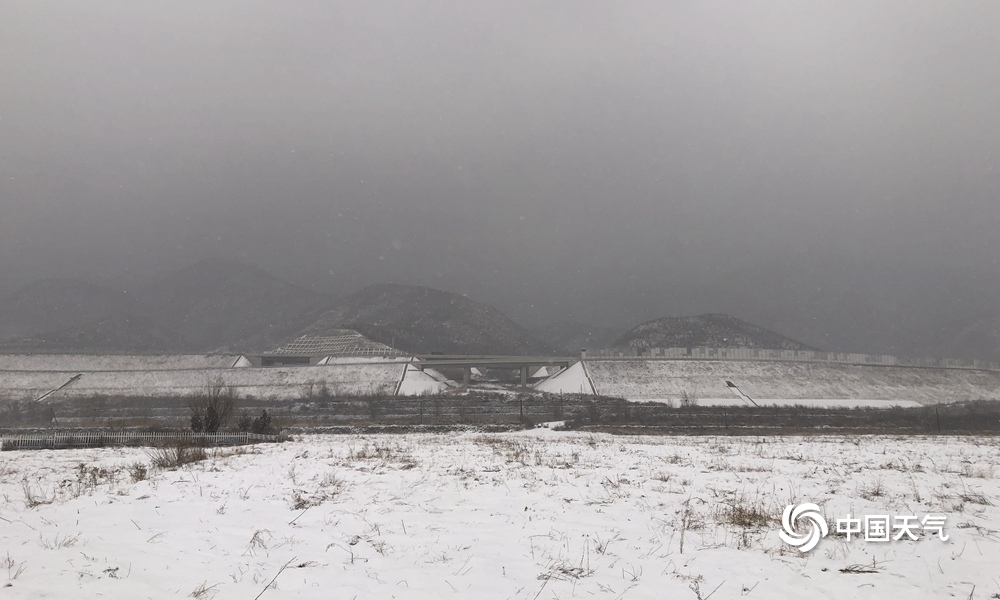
x=603 y=161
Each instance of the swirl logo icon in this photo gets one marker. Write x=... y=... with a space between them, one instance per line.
x=804 y=540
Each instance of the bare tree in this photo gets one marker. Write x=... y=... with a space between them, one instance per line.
x=211 y=411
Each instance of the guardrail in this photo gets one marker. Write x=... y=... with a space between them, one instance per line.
x=96 y=439
x=703 y=353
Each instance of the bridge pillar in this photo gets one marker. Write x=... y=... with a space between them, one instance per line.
x=524 y=375
x=467 y=375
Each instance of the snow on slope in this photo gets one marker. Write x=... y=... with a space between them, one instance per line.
x=420 y=383
x=573 y=380
x=338 y=375
x=522 y=516
x=810 y=402
x=360 y=378
x=670 y=379
x=112 y=362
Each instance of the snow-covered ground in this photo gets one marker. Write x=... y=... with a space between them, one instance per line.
x=538 y=514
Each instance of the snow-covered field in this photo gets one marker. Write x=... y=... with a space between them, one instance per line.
x=538 y=514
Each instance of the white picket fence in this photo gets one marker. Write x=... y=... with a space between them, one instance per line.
x=92 y=439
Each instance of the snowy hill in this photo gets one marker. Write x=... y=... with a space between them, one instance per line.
x=711 y=330
x=420 y=320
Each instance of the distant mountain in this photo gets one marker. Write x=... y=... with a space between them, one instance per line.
x=212 y=306
x=867 y=306
x=711 y=330
x=569 y=337
x=227 y=305
x=119 y=333
x=54 y=304
x=423 y=320
x=973 y=337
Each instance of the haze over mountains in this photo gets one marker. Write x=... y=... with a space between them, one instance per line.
x=420 y=319
x=824 y=170
x=55 y=304
x=569 y=337
x=218 y=305
x=212 y=305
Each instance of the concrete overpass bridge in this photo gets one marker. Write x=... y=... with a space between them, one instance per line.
x=527 y=365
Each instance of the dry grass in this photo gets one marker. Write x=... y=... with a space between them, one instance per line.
x=513 y=450
x=861 y=568
x=745 y=512
x=302 y=500
x=138 y=472
x=6 y=470
x=34 y=498
x=384 y=455
x=204 y=591
x=176 y=456
x=258 y=543
x=332 y=484
x=971 y=471
x=66 y=541
x=330 y=487
x=13 y=568
x=873 y=489
x=975 y=498
x=89 y=477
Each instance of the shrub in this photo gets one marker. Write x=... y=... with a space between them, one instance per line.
x=245 y=422
x=262 y=424
x=213 y=410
